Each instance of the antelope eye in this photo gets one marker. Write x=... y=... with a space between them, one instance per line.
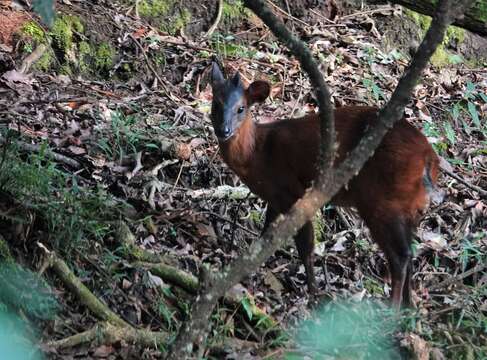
x=240 y=109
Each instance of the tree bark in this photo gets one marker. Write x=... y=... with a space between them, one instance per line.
x=474 y=19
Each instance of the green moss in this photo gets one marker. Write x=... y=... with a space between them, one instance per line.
x=85 y=52
x=33 y=35
x=103 y=57
x=423 y=21
x=63 y=30
x=34 y=32
x=155 y=8
x=319 y=227
x=65 y=70
x=177 y=22
x=233 y=10
x=373 y=287
x=76 y=23
x=45 y=62
x=441 y=57
x=454 y=33
x=182 y=19
x=480 y=9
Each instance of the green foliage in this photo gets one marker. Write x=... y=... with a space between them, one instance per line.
x=165 y=312
x=85 y=53
x=177 y=22
x=352 y=331
x=63 y=30
x=480 y=9
x=319 y=227
x=467 y=106
x=5 y=255
x=441 y=56
x=464 y=113
x=154 y=8
x=247 y=305
x=373 y=287
x=255 y=217
x=124 y=137
x=14 y=339
x=373 y=88
x=472 y=250
x=45 y=9
x=234 y=10
x=104 y=56
x=71 y=213
x=226 y=46
x=33 y=31
x=27 y=291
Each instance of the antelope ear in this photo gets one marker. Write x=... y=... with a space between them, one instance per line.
x=258 y=91
x=236 y=80
x=216 y=75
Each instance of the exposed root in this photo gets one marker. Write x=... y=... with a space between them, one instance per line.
x=107 y=333
x=85 y=296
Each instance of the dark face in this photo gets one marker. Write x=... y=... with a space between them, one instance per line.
x=229 y=106
x=232 y=102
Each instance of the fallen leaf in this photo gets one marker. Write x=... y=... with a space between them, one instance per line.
x=273 y=282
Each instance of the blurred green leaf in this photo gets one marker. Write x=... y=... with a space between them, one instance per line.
x=349 y=331
x=14 y=341
x=456 y=111
x=247 y=307
x=45 y=9
x=474 y=114
x=25 y=290
x=449 y=132
x=455 y=59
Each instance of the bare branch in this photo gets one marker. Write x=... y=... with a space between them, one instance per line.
x=301 y=51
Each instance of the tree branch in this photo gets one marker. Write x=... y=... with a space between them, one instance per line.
x=305 y=57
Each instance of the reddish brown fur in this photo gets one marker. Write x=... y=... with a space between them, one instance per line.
x=277 y=162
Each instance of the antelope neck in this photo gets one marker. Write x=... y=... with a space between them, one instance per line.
x=238 y=150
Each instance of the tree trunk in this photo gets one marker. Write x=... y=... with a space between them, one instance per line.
x=475 y=19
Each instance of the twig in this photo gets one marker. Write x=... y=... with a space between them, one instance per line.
x=309 y=65
x=367 y=12
x=482 y=192
x=213 y=26
x=459 y=277
x=33 y=57
x=36 y=148
x=138 y=166
x=333 y=23
x=156 y=74
x=289 y=16
x=234 y=222
x=253 y=233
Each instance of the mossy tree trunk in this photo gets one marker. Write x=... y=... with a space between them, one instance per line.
x=475 y=19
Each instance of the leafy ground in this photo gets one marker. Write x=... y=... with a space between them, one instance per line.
x=112 y=126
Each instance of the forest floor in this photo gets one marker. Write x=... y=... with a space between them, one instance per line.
x=109 y=165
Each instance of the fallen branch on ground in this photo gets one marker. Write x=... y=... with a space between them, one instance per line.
x=49 y=153
x=482 y=192
x=165 y=267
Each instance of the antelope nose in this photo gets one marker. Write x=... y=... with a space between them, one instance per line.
x=226 y=131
